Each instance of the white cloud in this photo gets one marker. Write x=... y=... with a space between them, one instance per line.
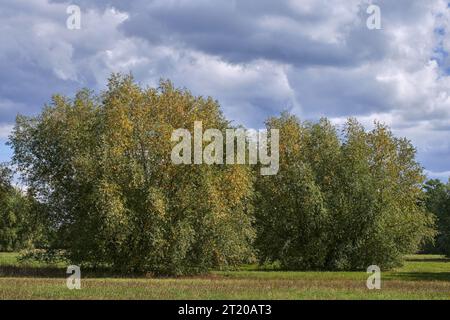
x=5 y=130
x=444 y=176
x=258 y=57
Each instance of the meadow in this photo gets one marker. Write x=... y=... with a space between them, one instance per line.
x=421 y=277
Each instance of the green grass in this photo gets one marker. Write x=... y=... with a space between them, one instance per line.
x=421 y=277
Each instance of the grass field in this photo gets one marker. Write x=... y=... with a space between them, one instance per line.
x=422 y=277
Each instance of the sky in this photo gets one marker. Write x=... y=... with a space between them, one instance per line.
x=314 y=58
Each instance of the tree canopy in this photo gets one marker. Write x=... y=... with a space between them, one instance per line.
x=340 y=201
x=19 y=228
x=101 y=166
x=438 y=202
x=99 y=172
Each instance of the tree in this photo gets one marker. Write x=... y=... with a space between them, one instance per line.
x=99 y=174
x=340 y=201
x=290 y=207
x=101 y=167
x=17 y=230
x=438 y=202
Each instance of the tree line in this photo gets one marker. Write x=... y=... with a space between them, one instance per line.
x=99 y=190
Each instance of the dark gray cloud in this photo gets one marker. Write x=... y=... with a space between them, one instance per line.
x=243 y=31
x=257 y=57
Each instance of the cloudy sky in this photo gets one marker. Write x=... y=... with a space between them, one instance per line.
x=257 y=57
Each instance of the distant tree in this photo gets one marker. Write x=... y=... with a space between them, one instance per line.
x=17 y=230
x=100 y=167
x=5 y=179
x=340 y=201
x=438 y=202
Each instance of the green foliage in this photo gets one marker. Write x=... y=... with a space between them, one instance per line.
x=438 y=202
x=103 y=191
x=17 y=230
x=340 y=201
x=100 y=168
x=290 y=211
